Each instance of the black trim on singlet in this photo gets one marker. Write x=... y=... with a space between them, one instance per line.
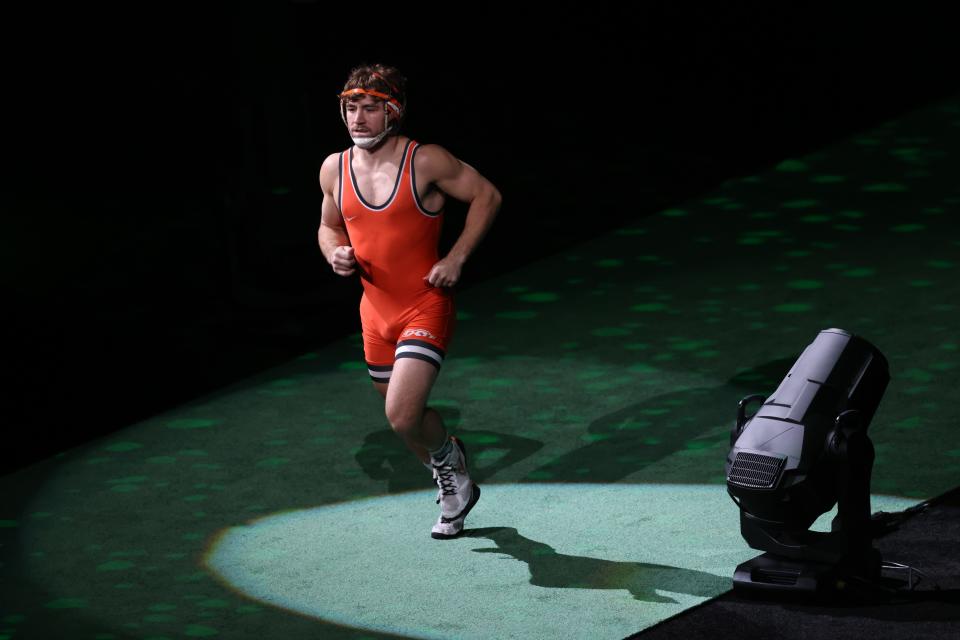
x=422 y=343
x=340 y=184
x=418 y=356
x=396 y=185
x=413 y=186
x=385 y=371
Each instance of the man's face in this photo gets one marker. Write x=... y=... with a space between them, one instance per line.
x=365 y=117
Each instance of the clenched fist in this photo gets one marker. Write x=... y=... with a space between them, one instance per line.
x=445 y=273
x=343 y=261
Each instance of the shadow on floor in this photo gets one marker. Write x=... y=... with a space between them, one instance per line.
x=631 y=438
x=557 y=570
x=383 y=456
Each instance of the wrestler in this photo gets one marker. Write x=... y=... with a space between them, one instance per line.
x=383 y=205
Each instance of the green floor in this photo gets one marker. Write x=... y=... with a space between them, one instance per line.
x=615 y=367
x=535 y=558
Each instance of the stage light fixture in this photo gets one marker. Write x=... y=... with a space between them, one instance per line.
x=805 y=450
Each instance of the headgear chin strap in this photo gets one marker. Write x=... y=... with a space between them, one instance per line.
x=369 y=143
x=389 y=102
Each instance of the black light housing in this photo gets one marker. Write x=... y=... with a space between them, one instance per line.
x=805 y=450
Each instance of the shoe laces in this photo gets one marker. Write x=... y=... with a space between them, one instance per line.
x=446 y=480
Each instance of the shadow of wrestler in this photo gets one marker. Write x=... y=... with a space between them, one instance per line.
x=631 y=438
x=383 y=456
x=557 y=570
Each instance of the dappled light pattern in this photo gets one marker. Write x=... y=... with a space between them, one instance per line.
x=619 y=361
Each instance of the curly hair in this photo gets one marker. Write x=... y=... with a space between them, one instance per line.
x=378 y=77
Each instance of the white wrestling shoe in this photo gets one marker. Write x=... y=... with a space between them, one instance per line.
x=456 y=494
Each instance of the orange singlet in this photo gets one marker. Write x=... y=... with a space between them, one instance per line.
x=395 y=246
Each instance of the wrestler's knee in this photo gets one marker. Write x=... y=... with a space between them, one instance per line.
x=405 y=420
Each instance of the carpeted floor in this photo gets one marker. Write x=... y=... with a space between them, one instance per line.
x=614 y=368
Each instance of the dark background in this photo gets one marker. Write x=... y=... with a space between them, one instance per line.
x=160 y=203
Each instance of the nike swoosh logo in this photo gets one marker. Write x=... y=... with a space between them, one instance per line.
x=349 y=219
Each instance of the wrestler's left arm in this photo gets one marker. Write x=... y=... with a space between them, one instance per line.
x=461 y=181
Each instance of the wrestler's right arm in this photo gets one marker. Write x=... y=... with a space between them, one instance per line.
x=332 y=236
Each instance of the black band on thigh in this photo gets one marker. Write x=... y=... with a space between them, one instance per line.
x=420 y=356
x=380 y=372
x=420 y=350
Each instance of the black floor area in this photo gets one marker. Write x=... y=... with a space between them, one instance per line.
x=927 y=540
